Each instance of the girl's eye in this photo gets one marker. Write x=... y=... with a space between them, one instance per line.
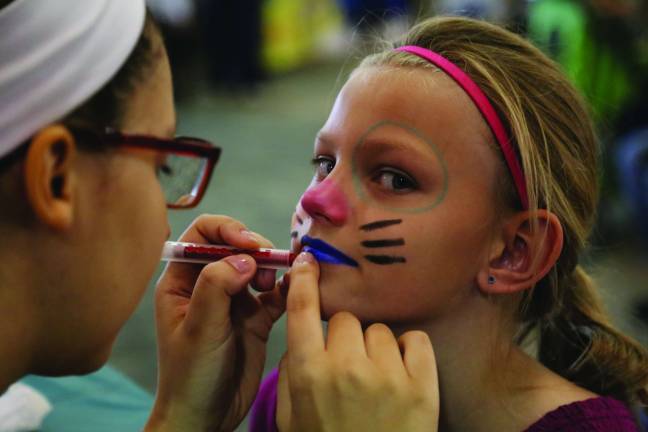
x=323 y=166
x=395 y=181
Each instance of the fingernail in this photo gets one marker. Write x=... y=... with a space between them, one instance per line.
x=303 y=259
x=240 y=263
x=250 y=235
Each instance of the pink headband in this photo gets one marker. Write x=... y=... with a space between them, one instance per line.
x=484 y=106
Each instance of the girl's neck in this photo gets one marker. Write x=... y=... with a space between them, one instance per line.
x=485 y=382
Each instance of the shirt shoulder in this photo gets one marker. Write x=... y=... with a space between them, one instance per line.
x=600 y=414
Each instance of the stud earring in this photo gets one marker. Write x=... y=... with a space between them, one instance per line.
x=491 y=280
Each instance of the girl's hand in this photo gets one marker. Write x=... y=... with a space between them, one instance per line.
x=212 y=332
x=352 y=381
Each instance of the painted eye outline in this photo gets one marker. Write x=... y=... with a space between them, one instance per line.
x=317 y=163
x=380 y=173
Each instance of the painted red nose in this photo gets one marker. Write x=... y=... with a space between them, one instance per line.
x=326 y=201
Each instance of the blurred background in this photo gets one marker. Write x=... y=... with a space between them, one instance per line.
x=259 y=76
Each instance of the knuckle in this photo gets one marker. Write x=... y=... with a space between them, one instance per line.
x=201 y=218
x=206 y=218
x=351 y=375
x=307 y=377
x=424 y=396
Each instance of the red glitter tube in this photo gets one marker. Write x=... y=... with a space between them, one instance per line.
x=205 y=254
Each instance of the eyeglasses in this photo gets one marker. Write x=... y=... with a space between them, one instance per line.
x=186 y=168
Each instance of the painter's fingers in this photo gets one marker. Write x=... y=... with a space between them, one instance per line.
x=222 y=229
x=264 y=279
x=210 y=229
x=209 y=308
x=274 y=301
x=305 y=337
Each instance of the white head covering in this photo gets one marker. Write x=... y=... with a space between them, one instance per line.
x=56 y=54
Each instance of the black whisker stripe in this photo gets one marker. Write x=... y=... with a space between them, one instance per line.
x=383 y=243
x=385 y=259
x=380 y=224
x=300 y=220
x=294 y=234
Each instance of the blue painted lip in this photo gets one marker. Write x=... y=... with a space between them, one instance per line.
x=324 y=252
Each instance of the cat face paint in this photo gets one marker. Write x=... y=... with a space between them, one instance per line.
x=326 y=200
x=403 y=185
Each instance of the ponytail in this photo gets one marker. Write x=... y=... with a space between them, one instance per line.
x=580 y=344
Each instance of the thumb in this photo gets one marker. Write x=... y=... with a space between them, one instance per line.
x=217 y=283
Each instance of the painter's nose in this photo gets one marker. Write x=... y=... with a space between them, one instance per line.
x=326 y=202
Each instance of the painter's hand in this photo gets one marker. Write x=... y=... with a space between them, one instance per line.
x=212 y=333
x=352 y=381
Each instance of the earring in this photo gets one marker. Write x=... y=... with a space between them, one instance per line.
x=491 y=280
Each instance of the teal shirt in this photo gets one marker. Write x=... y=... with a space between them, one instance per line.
x=105 y=401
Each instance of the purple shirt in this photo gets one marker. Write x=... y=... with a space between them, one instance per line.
x=601 y=414
x=264 y=409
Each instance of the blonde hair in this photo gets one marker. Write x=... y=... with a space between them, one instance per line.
x=553 y=132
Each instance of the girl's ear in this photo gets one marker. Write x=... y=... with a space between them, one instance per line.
x=49 y=176
x=529 y=246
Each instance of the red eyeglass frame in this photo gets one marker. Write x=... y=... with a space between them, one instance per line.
x=184 y=146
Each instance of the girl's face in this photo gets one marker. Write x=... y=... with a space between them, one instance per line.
x=404 y=184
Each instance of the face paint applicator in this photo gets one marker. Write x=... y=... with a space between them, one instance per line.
x=264 y=257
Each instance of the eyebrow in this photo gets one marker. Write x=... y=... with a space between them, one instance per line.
x=382 y=145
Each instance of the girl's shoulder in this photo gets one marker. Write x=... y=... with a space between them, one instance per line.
x=591 y=415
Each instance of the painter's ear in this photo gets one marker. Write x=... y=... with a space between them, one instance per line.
x=49 y=176
x=525 y=255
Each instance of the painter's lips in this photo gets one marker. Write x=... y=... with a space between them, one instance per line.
x=324 y=252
